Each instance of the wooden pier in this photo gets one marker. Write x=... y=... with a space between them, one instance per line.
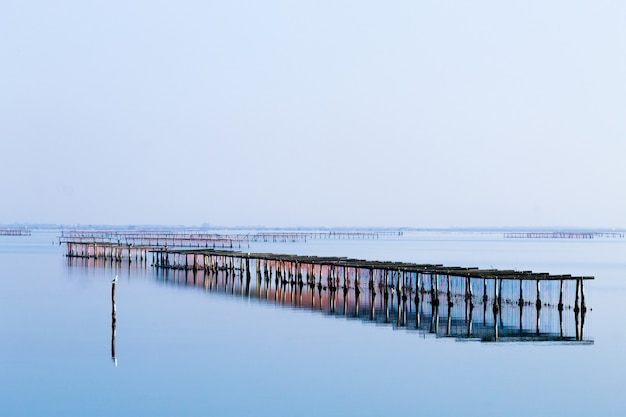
x=206 y=240
x=465 y=303
x=15 y=232
x=154 y=240
x=448 y=286
x=304 y=236
x=561 y=235
x=134 y=245
x=90 y=248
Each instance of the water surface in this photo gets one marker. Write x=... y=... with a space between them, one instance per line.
x=182 y=350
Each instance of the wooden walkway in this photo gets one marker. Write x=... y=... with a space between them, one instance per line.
x=525 y=287
x=424 y=298
x=491 y=281
x=462 y=319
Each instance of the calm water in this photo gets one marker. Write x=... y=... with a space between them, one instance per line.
x=182 y=350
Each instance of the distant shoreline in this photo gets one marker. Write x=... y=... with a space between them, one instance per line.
x=485 y=229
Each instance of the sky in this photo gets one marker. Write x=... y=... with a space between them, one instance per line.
x=313 y=113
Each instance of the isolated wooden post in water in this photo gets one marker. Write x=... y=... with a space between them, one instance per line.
x=113 y=321
x=113 y=285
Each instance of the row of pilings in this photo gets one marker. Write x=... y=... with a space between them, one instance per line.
x=207 y=240
x=449 y=286
x=561 y=235
x=437 y=279
x=431 y=299
x=15 y=232
x=433 y=303
x=108 y=251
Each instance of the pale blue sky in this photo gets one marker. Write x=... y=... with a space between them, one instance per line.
x=329 y=113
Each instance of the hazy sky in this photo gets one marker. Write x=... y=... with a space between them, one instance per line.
x=329 y=113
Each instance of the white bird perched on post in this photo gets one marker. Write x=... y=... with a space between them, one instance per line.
x=115 y=279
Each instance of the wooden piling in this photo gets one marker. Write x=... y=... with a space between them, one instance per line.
x=114 y=308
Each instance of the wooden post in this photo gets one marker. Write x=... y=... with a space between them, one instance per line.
x=113 y=320
x=386 y=295
x=583 y=307
x=496 y=299
x=372 y=288
x=576 y=311
x=449 y=324
x=495 y=322
x=436 y=317
x=582 y=317
x=470 y=322
x=538 y=317
x=357 y=286
x=538 y=302
x=449 y=292
x=418 y=306
x=113 y=285
x=484 y=290
x=248 y=275
x=357 y=303
x=258 y=267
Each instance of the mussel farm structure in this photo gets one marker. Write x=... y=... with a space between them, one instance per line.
x=460 y=302
x=411 y=295
x=15 y=232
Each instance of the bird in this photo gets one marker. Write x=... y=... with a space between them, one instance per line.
x=114 y=279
